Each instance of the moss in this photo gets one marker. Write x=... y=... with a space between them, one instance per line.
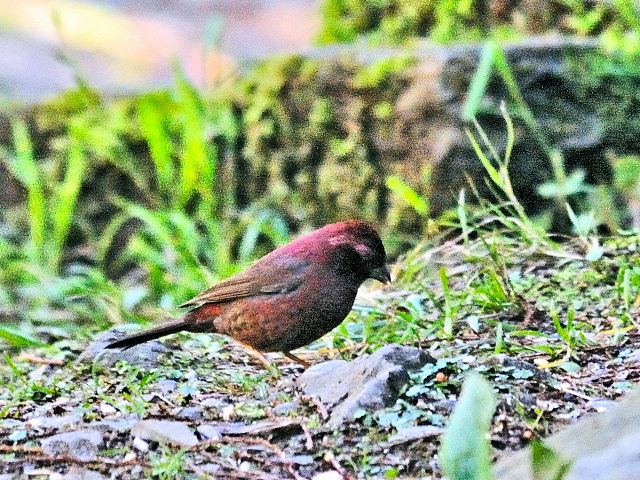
x=446 y=21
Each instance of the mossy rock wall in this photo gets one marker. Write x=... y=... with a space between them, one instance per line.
x=322 y=133
x=317 y=136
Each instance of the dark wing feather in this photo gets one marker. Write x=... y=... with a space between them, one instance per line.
x=262 y=278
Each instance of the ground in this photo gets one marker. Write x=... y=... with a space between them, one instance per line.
x=550 y=325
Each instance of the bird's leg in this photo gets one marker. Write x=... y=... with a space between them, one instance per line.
x=272 y=367
x=302 y=362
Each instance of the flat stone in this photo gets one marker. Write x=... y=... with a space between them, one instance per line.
x=371 y=382
x=81 y=444
x=167 y=386
x=603 y=446
x=165 y=431
x=63 y=421
x=210 y=432
x=191 y=413
x=414 y=433
x=285 y=408
x=296 y=460
x=146 y=355
x=78 y=473
x=118 y=424
x=329 y=475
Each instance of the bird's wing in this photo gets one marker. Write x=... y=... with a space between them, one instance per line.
x=262 y=278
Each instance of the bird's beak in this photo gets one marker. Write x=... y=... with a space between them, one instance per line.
x=381 y=274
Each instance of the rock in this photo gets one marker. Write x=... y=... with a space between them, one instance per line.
x=619 y=461
x=283 y=409
x=296 y=460
x=118 y=424
x=213 y=468
x=167 y=386
x=165 y=431
x=63 y=421
x=145 y=355
x=370 y=382
x=329 y=475
x=77 y=473
x=107 y=409
x=604 y=446
x=210 y=432
x=140 y=445
x=81 y=444
x=601 y=404
x=414 y=433
x=191 y=413
x=239 y=428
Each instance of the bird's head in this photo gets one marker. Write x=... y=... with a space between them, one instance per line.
x=354 y=248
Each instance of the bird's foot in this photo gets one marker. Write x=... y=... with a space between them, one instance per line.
x=271 y=366
x=296 y=359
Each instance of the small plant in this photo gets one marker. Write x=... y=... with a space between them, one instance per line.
x=51 y=202
x=465 y=452
x=167 y=464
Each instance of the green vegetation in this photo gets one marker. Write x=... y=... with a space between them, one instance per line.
x=127 y=207
x=446 y=21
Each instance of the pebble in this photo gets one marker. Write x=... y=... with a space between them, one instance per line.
x=81 y=444
x=165 y=431
x=329 y=475
x=107 y=409
x=140 y=445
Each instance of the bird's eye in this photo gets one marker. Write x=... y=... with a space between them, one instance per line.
x=365 y=251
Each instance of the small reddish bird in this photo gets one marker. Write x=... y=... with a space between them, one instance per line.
x=288 y=298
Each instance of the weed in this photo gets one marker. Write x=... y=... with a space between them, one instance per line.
x=167 y=464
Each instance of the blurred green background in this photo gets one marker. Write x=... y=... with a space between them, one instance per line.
x=145 y=154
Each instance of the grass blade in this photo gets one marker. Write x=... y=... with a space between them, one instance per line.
x=65 y=200
x=465 y=453
x=479 y=82
x=152 y=121
x=24 y=167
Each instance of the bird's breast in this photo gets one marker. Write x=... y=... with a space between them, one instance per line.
x=283 y=322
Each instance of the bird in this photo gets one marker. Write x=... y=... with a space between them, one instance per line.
x=288 y=298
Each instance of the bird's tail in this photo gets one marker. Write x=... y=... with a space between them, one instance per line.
x=168 y=328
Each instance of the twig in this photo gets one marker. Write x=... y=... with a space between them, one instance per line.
x=42 y=361
x=307 y=434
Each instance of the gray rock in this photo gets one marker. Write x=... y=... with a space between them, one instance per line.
x=604 y=446
x=44 y=423
x=215 y=430
x=283 y=409
x=118 y=424
x=370 y=382
x=191 y=413
x=167 y=386
x=211 y=468
x=296 y=460
x=414 y=433
x=81 y=444
x=10 y=423
x=329 y=475
x=145 y=355
x=210 y=432
x=620 y=461
x=165 y=431
x=77 y=473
